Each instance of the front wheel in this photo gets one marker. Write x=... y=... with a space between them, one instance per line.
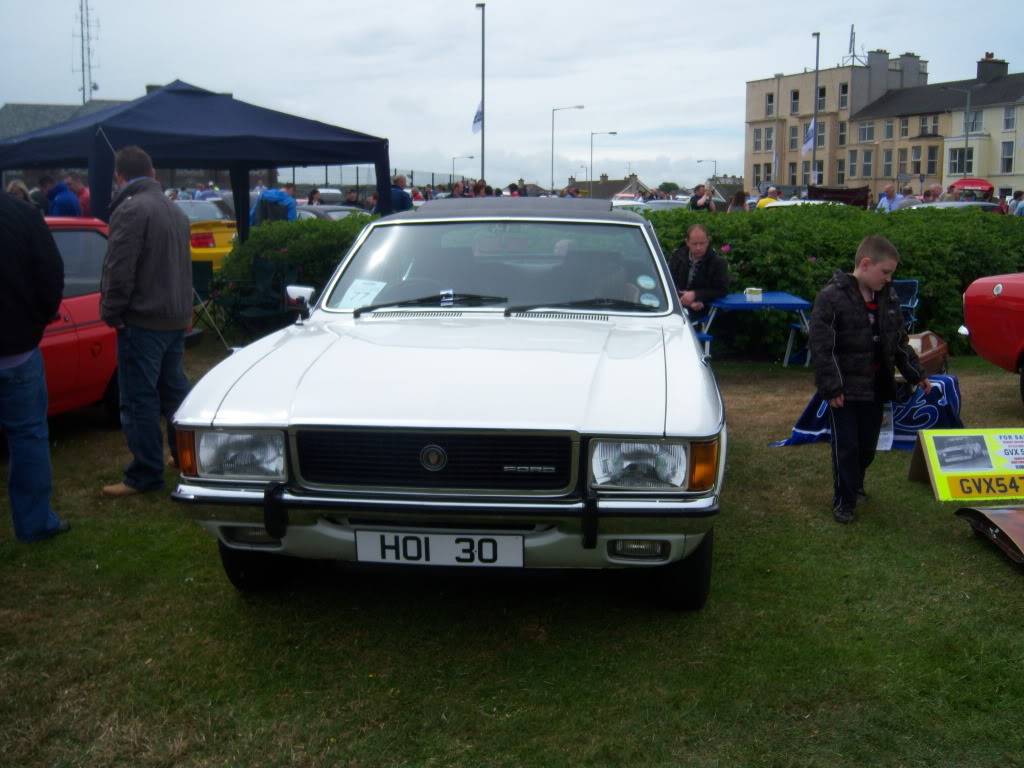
x=250 y=571
x=685 y=584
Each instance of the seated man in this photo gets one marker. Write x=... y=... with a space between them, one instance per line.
x=700 y=274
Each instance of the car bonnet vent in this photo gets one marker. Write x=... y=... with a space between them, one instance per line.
x=562 y=316
x=378 y=315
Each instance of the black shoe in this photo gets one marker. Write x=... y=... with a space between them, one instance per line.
x=862 y=495
x=842 y=515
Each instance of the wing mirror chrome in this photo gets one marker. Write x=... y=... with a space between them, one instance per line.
x=300 y=299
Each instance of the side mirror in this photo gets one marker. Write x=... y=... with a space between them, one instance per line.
x=300 y=297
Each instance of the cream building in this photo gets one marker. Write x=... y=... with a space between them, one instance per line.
x=882 y=123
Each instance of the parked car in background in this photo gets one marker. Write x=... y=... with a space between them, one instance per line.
x=791 y=203
x=994 y=320
x=666 y=205
x=79 y=349
x=958 y=205
x=331 y=212
x=495 y=382
x=213 y=229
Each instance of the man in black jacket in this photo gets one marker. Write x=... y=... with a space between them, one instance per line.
x=31 y=284
x=857 y=337
x=147 y=296
x=700 y=274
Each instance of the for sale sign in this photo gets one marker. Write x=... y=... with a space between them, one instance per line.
x=971 y=464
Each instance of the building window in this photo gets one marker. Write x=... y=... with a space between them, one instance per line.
x=933 y=161
x=792 y=174
x=1006 y=161
x=767 y=171
x=757 y=175
x=794 y=102
x=844 y=95
x=1009 y=118
x=886 y=163
x=915 y=160
x=819 y=134
x=957 y=162
x=901 y=167
x=840 y=171
x=819 y=171
x=887 y=130
x=794 y=137
x=769 y=140
x=904 y=127
x=805 y=178
x=924 y=125
x=935 y=125
x=769 y=104
x=821 y=99
x=866 y=132
x=853 y=163
x=865 y=165
x=757 y=139
x=841 y=140
x=1005 y=192
x=974 y=121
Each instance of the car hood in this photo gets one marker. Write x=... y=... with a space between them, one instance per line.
x=594 y=376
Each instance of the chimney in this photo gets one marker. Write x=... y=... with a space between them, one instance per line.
x=989 y=68
x=878 y=74
x=151 y=88
x=910 y=70
x=604 y=177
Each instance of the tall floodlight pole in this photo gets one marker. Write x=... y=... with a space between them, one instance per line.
x=814 y=119
x=458 y=157
x=590 y=174
x=714 y=167
x=483 y=109
x=553 y=110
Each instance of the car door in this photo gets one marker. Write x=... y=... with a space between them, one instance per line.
x=60 y=357
x=94 y=343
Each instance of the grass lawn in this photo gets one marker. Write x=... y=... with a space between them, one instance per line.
x=893 y=641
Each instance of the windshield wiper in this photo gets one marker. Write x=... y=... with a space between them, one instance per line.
x=442 y=300
x=603 y=303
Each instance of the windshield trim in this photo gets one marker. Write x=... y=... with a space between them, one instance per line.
x=661 y=263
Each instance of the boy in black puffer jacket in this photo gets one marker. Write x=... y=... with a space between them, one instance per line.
x=857 y=337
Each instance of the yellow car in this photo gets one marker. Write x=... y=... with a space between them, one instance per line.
x=213 y=229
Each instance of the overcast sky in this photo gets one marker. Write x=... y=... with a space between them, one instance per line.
x=668 y=76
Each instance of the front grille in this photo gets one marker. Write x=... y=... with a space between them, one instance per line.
x=493 y=462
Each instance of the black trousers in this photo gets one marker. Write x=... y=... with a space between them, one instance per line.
x=855 y=429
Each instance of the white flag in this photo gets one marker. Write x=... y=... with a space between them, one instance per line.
x=478 y=119
x=809 y=138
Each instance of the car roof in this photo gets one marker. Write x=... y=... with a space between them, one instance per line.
x=516 y=207
x=76 y=222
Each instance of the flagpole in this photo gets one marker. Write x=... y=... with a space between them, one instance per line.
x=483 y=110
x=814 y=118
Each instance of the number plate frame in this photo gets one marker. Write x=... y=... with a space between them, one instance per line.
x=472 y=550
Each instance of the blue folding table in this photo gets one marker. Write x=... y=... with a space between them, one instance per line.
x=779 y=300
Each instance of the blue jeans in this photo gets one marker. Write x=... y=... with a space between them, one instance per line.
x=30 y=476
x=151 y=377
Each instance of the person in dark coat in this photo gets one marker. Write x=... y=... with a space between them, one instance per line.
x=700 y=274
x=400 y=199
x=146 y=294
x=31 y=285
x=857 y=337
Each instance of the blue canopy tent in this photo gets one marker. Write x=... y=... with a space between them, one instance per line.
x=182 y=126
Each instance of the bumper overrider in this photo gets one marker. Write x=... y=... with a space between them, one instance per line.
x=585 y=528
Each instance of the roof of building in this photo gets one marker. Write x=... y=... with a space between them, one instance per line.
x=941 y=97
x=16 y=119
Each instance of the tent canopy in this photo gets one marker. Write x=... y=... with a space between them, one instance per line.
x=977 y=185
x=182 y=126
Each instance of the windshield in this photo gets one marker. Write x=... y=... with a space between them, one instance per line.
x=205 y=210
x=512 y=263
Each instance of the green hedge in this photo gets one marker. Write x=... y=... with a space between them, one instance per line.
x=786 y=249
x=796 y=249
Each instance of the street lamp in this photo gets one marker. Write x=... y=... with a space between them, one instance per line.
x=967 y=115
x=459 y=157
x=592 y=135
x=553 y=110
x=714 y=172
x=483 y=110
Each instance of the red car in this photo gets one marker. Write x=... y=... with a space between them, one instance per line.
x=79 y=349
x=994 y=319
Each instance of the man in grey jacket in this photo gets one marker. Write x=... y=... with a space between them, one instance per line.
x=147 y=296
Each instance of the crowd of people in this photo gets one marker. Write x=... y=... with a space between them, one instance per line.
x=69 y=197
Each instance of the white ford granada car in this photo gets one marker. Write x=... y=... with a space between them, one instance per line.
x=483 y=383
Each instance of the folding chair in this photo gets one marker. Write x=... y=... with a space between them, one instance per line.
x=907 y=290
x=203 y=305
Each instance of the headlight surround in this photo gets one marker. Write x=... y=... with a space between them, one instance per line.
x=241 y=455
x=638 y=465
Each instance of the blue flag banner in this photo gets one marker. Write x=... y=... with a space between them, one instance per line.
x=478 y=118
x=939 y=409
x=809 y=138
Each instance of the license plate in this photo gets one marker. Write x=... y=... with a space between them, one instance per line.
x=439 y=549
